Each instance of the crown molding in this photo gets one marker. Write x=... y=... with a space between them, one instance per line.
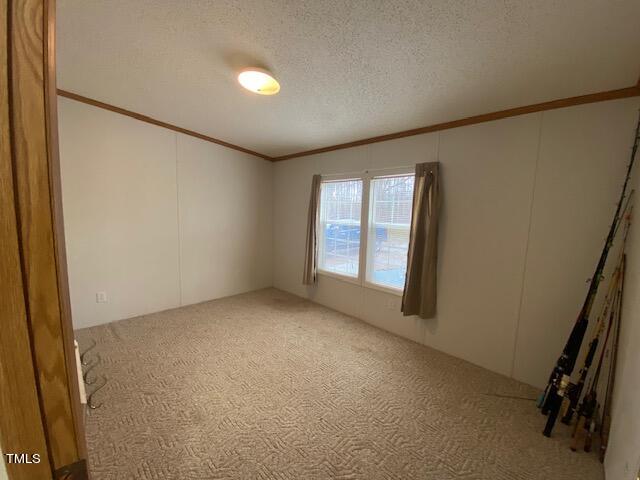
x=159 y=123
x=633 y=91
x=486 y=117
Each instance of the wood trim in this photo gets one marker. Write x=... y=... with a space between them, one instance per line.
x=33 y=132
x=55 y=185
x=21 y=422
x=487 y=117
x=159 y=123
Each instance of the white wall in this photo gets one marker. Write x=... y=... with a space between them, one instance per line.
x=527 y=204
x=225 y=202
x=623 y=455
x=157 y=219
x=584 y=152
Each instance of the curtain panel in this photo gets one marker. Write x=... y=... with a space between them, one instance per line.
x=311 y=248
x=420 y=288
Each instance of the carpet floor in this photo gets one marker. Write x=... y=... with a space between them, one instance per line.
x=266 y=385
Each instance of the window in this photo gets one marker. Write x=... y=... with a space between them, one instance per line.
x=373 y=251
x=340 y=211
x=389 y=225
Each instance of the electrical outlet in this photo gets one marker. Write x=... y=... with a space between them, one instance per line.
x=101 y=297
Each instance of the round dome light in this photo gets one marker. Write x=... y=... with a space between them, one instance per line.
x=259 y=81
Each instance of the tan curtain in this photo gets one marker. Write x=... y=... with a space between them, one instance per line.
x=311 y=249
x=420 y=290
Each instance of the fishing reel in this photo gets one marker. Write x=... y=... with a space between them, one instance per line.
x=556 y=392
x=570 y=398
x=565 y=382
x=557 y=384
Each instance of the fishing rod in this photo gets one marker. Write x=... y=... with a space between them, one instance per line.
x=588 y=410
x=606 y=410
x=574 y=391
x=561 y=374
x=590 y=405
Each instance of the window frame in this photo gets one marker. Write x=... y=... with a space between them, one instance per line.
x=365 y=222
x=341 y=178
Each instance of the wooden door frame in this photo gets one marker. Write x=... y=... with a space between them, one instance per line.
x=39 y=399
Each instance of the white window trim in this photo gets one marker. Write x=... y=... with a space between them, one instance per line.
x=338 y=276
x=365 y=219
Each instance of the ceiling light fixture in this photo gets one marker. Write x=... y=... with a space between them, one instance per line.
x=259 y=81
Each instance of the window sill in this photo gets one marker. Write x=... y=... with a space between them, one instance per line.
x=342 y=278
x=355 y=281
x=382 y=288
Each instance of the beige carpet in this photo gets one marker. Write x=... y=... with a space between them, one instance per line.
x=266 y=385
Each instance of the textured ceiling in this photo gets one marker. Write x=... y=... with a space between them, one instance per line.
x=348 y=69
